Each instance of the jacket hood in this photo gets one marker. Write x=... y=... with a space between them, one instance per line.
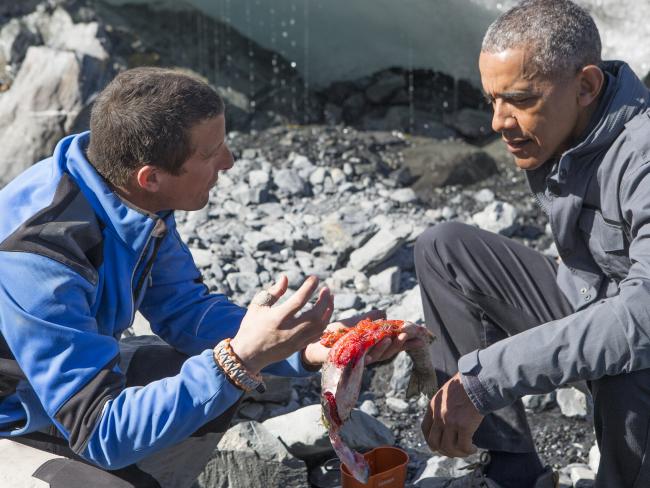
x=625 y=97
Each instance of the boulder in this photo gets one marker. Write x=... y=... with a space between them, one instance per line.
x=442 y=163
x=306 y=437
x=409 y=308
x=497 y=217
x=249 y=455
x=45 y=102
x=380 y=247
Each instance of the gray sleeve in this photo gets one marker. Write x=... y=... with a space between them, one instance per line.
x=610 y=337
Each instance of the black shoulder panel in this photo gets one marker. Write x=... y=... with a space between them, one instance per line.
x=67 y=230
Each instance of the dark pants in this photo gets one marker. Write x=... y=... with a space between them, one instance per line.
x=148 y=360
x=478 y=288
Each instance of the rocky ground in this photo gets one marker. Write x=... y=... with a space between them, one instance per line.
x=337 y=182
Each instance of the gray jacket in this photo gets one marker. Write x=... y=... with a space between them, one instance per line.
x=597 y=198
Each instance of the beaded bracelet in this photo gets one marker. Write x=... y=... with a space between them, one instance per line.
x=228 y=361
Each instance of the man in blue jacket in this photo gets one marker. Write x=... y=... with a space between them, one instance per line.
x=87 y=238
x=514 y=322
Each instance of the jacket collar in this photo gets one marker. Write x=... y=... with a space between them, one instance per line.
x=133 y=226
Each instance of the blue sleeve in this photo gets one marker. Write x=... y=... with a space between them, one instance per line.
x=74 y=370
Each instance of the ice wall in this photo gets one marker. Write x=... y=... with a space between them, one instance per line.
x=332 y=40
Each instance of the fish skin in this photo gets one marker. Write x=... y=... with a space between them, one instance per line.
x=341 y=383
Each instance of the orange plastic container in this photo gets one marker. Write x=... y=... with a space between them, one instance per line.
x=387 y=469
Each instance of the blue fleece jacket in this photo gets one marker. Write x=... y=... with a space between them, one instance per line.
x=76 y=263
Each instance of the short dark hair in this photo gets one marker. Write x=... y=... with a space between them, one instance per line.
x=562 y=36
x=144 y=116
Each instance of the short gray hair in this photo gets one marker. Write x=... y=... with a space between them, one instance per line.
x=560 y=35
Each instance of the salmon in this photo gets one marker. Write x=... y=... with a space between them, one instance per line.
x=343 y=369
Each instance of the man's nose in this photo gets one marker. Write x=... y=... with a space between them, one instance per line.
x=227 y=160
x=502 y=119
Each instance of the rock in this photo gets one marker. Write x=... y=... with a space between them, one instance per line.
x=380 y=247
x=403 y=195
x=443 y=163
x=344 y=301
x=141 y=326
x=497 y=217
x=278 y=390
x=397 y=404
x=247 y=264
x=572 y=402
x=343 y=233
x=258 y=240
x=305 y=436
x=387 y=84
x=387 y=282
x=46 y=100
x=258 y=178
x=402 y=367
x=471 y=123
x=539 y=403
x=202 y=257
x=243 y=282
x=249 y=455
x=289 y=182
x=369 y=407
x=582 y=476
x=594 y=458
x=408 y=308
x=317 y=177
x=15 y=37
x=439 y=470
x=344 y=277
x=484 y=196
x=251 y=410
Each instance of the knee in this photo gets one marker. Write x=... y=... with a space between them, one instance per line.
x=439 y=242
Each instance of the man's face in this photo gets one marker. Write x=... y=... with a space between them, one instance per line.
x=536 y=116
x=190 y=190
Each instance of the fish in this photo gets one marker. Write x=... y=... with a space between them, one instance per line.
x=342 y=372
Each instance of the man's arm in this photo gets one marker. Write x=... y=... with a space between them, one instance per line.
x=74 y=371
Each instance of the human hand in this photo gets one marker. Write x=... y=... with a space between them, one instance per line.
x=451 y=420
x=316 y=354
x=268 y=334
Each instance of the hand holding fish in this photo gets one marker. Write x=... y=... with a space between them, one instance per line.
x=268 y=334
x=316 y=353
x=451 y=420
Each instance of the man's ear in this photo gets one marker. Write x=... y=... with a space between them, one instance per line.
x=148 y=178
x=591 y=81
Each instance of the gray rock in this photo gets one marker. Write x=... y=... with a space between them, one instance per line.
x=594 y=458
x=258 y=178
x=484 y=196
x=440 y=469
x=471 y=123
x=539 y=403
x=251 y=410
x=278 y=390
x=305 y=436
x=249 y=455
x=246 y=195
x=403 y=195
x=402 y=367
x=46 y=100
x=387 y=282
x=343 y=234
x=582 y=476
x=289 y=182
x=380 y=247
x=409 y=307
x=317 y=177
x=385 y=86
x=243 y=282
x=497 y=217
x=258 y=240
x=442 y=163
x=15 y=37
x=397 y=404
x=369 y=407
x=344 y=301
x=203 y=258
x=247 y=264
x=572 y=402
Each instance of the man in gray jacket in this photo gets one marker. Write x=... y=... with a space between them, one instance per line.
x=513 y=322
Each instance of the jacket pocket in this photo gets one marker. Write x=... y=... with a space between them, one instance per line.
x=607 y=244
